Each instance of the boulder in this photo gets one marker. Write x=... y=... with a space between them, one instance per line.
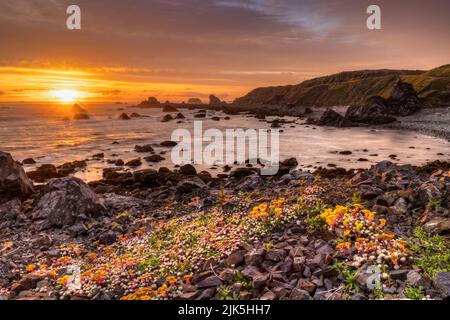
x=168 y=144
x=81 y=116
x=403 y=100
x=148 y=177
x=143 y=149
x=13 y=180
x=375 y=111
x=167 y=118
x=124 y=116
x=180 y=116
x=188 y=186
x=188 y=169
x=334 y=119
x=62 y=201
x=154 y=158
x=134 y=163
x=76 y=108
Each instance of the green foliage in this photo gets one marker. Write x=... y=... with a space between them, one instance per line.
x=239 y=277
x=315 y=223
x=356 y=199
x=414 y=293
x=432 y=251
x=151 y=263
x=349 y=277
x=225 y=293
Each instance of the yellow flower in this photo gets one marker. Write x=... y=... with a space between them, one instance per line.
x=30 y=267
x=346 y=232
x=171 y=280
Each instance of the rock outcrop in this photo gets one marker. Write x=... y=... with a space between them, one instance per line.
x=63 y=201
x=14 y=183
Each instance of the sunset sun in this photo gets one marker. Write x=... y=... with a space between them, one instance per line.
x=65 y=95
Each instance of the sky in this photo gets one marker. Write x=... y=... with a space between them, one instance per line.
x=129 y=50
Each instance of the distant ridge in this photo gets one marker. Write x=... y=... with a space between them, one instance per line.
x=353 y=87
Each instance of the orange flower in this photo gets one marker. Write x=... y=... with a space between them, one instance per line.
x=171 y=280
x=187 y=279
x=30 y=267
x=8 y=244
x=91 y=256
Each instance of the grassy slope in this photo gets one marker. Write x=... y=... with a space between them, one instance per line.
x=354 y=87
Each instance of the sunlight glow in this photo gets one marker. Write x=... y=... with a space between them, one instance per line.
x=65 y=95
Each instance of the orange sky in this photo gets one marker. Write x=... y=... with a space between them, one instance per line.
x=131 y=49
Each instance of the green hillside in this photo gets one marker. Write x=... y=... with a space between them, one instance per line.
x=354 y=87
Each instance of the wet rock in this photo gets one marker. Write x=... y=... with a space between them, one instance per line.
x=143 y=149
x=188 y=169
x=134 y=163
x=442 y=283
x=62 y=201
x=154 y=158
x=292 y=162
x=214 y=101
x=29 y=161
x=147 y=177
x=124 y=116
x=345 y=153
x=180 y=116
x=167 y=118
x=168 y=144
x=135 y=115
x=43 y=173
x=13 y=180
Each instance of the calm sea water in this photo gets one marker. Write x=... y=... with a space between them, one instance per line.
x=39 y=131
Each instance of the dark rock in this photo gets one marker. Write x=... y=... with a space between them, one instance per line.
x=148 y=177
x=180 y=116
x=143 y=149
x=414 y=278
x=27 y=282
x=442 y=283
x=403 y=100
x=167 y=118
x=62 y=201
x=236 y=257
x=188 y=169
x=188 y=186
x=43 y=173
x=240 y=173
x=168 y=144
x=14 y=183
x=275 y=255
x=369 y=192
x=374 y=112
x=107 y=238
x=333 y=118
x=135 y=115
x=438 y=225
x=214 y=101
x=292 y=162
x=134 y=163
x=254 y=258
x=212 y=281
x=29 y=161
x=154 y=158
x=124 y=116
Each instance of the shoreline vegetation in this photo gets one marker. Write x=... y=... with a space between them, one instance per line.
x=183 y=234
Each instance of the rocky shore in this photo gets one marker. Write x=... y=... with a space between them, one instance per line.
x=183 y=234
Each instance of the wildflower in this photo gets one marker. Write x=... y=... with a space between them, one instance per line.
x=171 y=280
x=8 y=244
x=187 y=279
x=64 y=280
x=30 y=267
x=92 y=256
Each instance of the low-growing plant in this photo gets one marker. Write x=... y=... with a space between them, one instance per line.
x=414 y=293
x=431 y=251
x=225 y=293
x=349 y=277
